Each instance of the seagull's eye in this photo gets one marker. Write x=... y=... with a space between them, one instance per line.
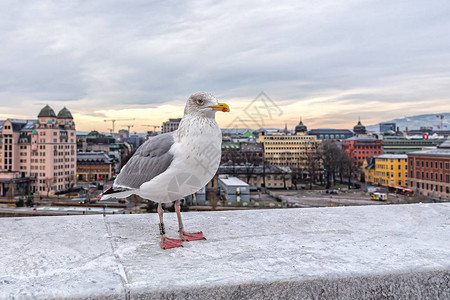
x=200 y=101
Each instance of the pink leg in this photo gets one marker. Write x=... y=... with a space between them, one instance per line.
x=186 y=236
x=166 y=243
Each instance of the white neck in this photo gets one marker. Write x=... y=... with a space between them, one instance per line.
x=196 y=126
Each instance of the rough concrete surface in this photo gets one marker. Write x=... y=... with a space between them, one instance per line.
x=376 y=252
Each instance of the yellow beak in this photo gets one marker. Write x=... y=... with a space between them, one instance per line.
x=221 y=107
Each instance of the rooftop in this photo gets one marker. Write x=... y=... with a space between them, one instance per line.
x=47 y=112
x=329 y=130
x=442 y=150
x=382 y=251
x=362 y=138
x=86 y=157
x=19 y=125
x=233 y=181
x=393 y=156
x=64 y=114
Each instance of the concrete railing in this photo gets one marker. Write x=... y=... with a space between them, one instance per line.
x=365 y=252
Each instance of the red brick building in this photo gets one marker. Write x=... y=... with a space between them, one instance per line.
x=361 y=147
x=429 y=171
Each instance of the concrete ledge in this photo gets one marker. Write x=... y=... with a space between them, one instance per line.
x=376 y=252
x=425 y=285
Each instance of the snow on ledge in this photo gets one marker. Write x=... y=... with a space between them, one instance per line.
x=399 y=251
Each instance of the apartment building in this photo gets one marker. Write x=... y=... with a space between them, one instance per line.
x=170 y=125
x=429 y=171
x=391 y=170
x=38 y=156
x=289 y=150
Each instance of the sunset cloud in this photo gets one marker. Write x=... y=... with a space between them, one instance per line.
x=327 y=61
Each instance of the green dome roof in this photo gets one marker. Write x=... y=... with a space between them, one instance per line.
x=46 y=112
x=300 y=127
x=37 y=121
x=49 y=121
x=34 y=131
x=359 y=128
x=64 y=114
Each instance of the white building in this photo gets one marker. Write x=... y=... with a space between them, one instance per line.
x=170 y=125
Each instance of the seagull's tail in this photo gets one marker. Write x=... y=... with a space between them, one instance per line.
x=117 y=193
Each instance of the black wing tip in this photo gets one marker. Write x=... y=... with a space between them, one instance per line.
x=111 y=190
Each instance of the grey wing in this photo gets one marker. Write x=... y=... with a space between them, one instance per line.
x=150 y=160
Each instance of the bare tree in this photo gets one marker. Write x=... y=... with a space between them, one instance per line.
x=312 y=166
x=70 y=181
x=48 y=184
x=350 y=166
x=330 y=154
x=213 y=197
x=251 y=161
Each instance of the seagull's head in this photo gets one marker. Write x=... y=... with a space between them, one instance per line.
x=204 y=104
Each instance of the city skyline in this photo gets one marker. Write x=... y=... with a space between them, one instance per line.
x=327 y=62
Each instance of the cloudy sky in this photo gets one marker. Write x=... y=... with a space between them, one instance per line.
x=327 y=61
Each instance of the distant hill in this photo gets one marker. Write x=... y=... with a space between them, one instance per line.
x=415 y=122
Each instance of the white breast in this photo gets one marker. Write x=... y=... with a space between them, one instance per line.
x=197 y=152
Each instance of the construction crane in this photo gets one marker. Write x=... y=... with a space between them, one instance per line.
x=154 y=127
x=116 y=120
x=441 y=127
x=128 y=126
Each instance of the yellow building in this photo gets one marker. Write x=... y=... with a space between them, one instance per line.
x=391 y=169
x=289 y=150
x=368 y=169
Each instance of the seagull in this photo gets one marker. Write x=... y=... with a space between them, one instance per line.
x=173 y=165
